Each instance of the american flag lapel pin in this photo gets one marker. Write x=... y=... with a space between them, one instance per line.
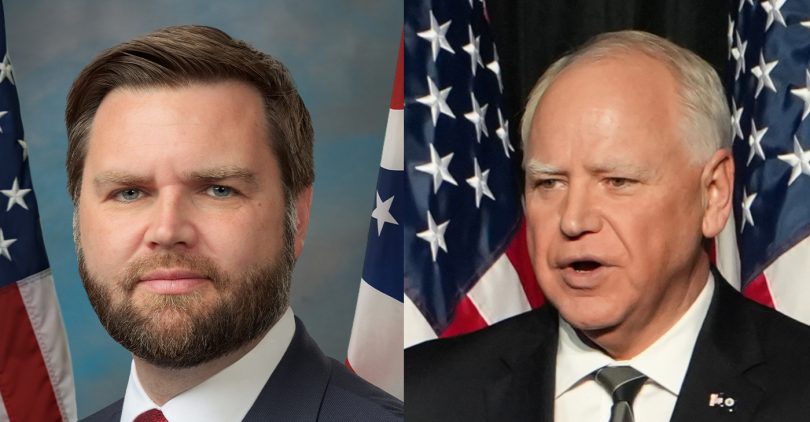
x=722 y=400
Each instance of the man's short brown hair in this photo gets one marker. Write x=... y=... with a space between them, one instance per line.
x=178 y=56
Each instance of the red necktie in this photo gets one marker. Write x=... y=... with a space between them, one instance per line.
x=153 y=415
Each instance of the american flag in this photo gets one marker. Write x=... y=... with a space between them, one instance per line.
x=375 y=348
x=36 y=380
x=769 y=52
x=466 y=264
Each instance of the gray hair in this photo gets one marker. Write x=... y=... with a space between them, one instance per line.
x=705 y=125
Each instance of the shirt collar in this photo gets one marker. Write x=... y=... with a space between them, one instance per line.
x=665 y=362
x=229 y=394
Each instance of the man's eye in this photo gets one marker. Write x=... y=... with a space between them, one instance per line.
x=547 y=183
x=128 y=195
x=218 y=191
x=619 y=182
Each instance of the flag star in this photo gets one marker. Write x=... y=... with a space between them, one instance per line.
x=2 y=114
x=503 y=134
x=476 y=116
x=495 y=67
x=738 y=52
x=434 y=235
x=15 y=195
x=4 y=245
x=479 y=182
x=382 y=213
x=774 y=10
x=437 y=36
x=24 y=146
x=7 y=70
x=437 y=101
x=806 y=24
x=730 y=34
x=438 y=168
x=763 y=73
x=755 y=142
x=473 y=48
x=804 y=94
x=748 y=200
x=798 y=159
x=736 y=118
x=742 y=3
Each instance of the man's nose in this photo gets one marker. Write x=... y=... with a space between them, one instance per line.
x=579 y=213
x=171 y=224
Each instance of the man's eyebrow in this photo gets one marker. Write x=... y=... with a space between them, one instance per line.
x=535 y=168
x=624 y=169
x=118 y=178
x=216 y=174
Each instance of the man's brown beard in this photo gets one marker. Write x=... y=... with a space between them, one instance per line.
x=177 y=331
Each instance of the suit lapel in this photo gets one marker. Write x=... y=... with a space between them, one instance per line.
x=295 y=390
x=720 y=381
x=524 y=391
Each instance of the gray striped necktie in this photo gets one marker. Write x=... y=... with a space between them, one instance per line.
x=623 y=383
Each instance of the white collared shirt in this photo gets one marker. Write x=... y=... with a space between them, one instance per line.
x=579 y=398
x=226 y=396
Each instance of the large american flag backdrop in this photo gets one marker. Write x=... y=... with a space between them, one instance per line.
x=766 y=249
x=36 y=380
x=466 y=265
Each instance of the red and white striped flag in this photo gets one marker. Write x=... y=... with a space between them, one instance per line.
x=375 y=349
x=36 y=380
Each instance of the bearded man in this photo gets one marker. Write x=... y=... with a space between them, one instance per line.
x=190 y=167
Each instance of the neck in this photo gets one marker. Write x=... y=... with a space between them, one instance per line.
x=633 y=336
x=162 y=384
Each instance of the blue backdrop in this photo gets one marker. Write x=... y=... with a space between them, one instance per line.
x=342 y=55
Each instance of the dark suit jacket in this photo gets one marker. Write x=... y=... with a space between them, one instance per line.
x=746 y=352
x=307 y=386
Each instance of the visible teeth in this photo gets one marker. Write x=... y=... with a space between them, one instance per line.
x=585 y=266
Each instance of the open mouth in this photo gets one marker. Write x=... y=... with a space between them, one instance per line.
x=585 y=266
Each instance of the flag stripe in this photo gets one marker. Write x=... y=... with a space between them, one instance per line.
x=466 y=319
x=417 y=328
x=787 y=281
x=393 y=147
x=39 y=296
x=398 y=93
x=499 y=293
x=3 y=413
x=518 y=253
x=758 y=290
x=24 y=381
x=375 y=357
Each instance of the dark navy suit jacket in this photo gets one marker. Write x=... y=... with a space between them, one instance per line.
x=751 y=354
x=307 y=386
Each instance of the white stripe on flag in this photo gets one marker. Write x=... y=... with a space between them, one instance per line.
x=788 y=282
x=417 y=328
x=727 y=255
x=498 y=294
x=39 y=296
x=3 y=413
x=393 y=154
x=375 y=348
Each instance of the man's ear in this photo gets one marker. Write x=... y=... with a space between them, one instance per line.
x=303 y=203
x=717 y=184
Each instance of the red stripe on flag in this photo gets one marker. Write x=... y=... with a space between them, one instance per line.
x=466 y=320
x=398 y=96
x=758 y=291
x=24 y=382
x=518 y=254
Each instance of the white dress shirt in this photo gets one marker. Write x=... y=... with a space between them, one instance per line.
x=226 y=396
x=579 y=398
